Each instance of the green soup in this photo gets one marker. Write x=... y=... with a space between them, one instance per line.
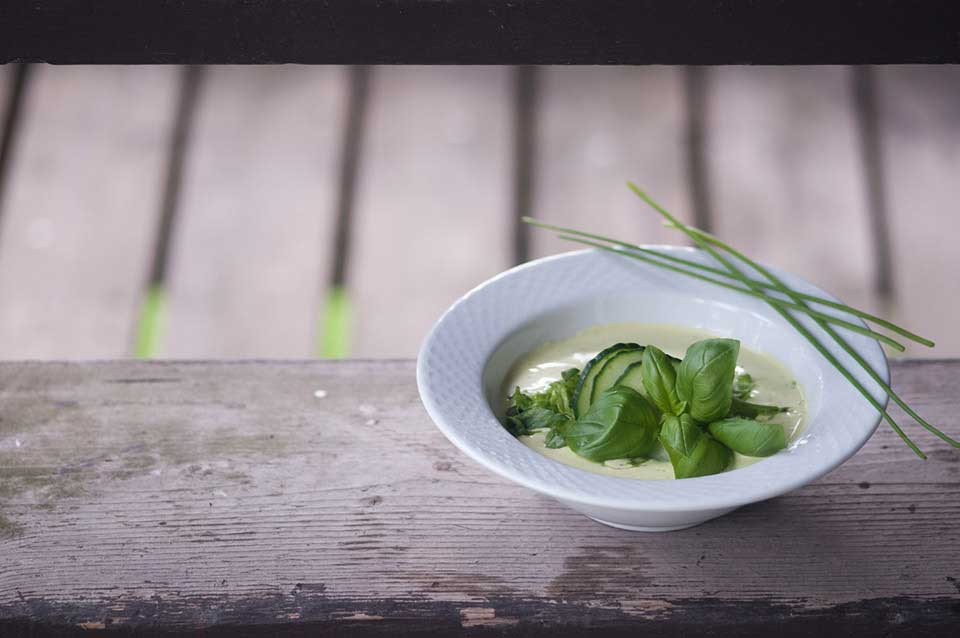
x=774 y=385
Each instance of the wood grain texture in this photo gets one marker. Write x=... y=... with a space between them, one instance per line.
x=80 y=209
x=786 y=175
x=234 y=495
x=919 y=110
x=433 y=206
x=599 y=128
x=251 y=248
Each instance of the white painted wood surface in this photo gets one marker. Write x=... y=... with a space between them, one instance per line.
x=433 y=215
x=251 y=246
x=598 y=128
x=80 y=209
x=184 y=495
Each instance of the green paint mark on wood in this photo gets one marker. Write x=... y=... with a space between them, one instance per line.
x=334 y=342
x=152 y=314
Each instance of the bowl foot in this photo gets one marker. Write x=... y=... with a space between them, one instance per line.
x=637 y=528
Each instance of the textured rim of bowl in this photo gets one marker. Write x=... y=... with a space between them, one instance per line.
x=870 y=350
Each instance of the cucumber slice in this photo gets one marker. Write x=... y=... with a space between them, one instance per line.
x=583 y=394
x=614 y=367
x=632 y=378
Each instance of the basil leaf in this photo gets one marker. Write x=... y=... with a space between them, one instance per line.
x=548 y=409
x=692 y=452
x=523 y=423
x=558 y=394
x=554 y=438
x=748 y=437
x=753 y=410
x=679 y=434
x=520 y=400
x=705 y=378
x=571 y=376
x=742 y=386
x=620 y=424
x=660 y=381
x=516 y=426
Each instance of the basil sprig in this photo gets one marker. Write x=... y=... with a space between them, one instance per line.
x=692 y=451
x=739 y=407
x=694 y=408
x=705 y=378
x=742 y=386
x=620 y=424
x=660 y=381
x=749 y=437
x=549 y=409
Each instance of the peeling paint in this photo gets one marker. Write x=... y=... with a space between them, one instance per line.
x=483 y=616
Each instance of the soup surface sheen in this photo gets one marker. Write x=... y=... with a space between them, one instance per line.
x=544 y=365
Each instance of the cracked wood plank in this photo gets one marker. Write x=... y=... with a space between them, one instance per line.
x=175 y=495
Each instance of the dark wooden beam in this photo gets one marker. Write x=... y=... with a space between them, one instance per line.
x=481 y=31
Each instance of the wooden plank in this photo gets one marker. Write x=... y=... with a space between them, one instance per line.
x=786 y=174
x=599 y=128
x=80 y=210
x=170 y=495
x=251 y=246
x=482 y=32
x=919 y=109
x=433 y=209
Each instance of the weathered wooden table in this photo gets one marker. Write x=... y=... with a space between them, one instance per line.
x=317 y=496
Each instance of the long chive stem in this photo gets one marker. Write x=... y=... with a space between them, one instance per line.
x=880 y=321
x=706 y=246
x=842 y=342
x=753 y=293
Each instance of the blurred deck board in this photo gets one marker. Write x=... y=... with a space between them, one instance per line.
x=433 y=209
x=786 y=175
x=179 y=496
x=920 y=116
x=80 y=209
x=598 y=128
x=251 y=244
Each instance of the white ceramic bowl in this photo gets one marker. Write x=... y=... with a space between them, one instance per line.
x=467 y=354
